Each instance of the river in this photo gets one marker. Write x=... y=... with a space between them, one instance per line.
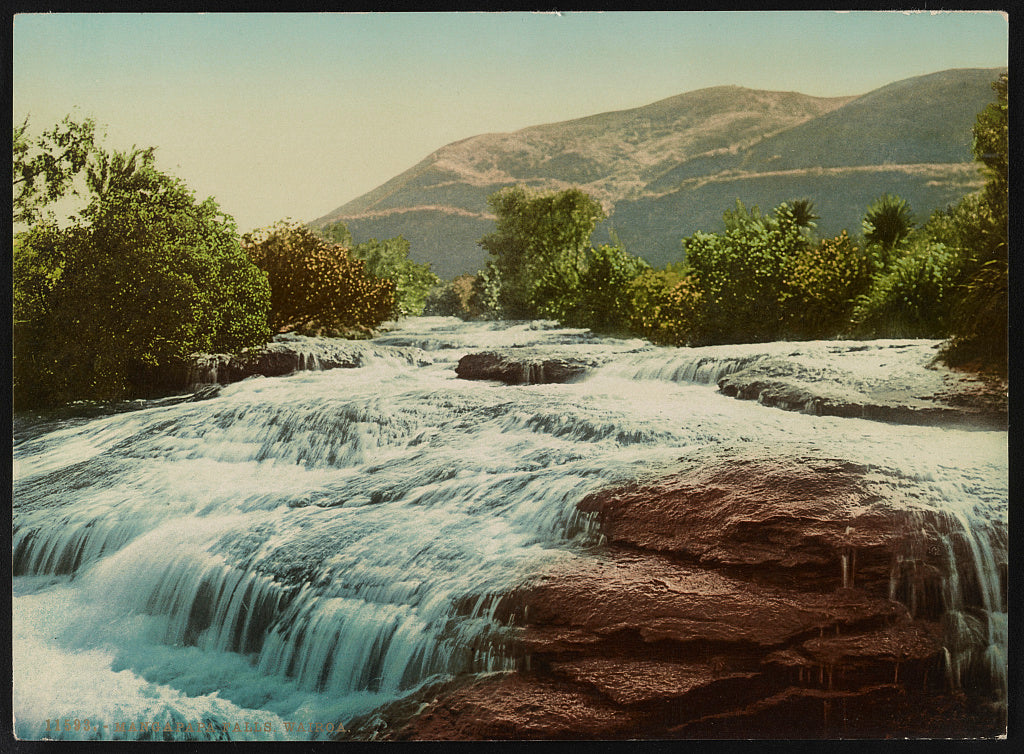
x=297 y=551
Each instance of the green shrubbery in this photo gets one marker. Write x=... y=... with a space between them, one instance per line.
x=389 y=260
x=768 y=276
x=979 y=335
x=913 y=297
x=146 y=276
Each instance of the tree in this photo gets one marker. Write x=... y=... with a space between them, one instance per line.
x=315 y=286
x=803 y=213
x=453 y=299
x=146 y=277
x=337 y=232
x=44 y=169
x=979 y=321
x=539 y=247
x=741 y=274
x=389 y=259
x=991 y=147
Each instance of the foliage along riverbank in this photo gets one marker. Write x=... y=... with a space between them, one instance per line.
x=146 y=275
x=766 y=276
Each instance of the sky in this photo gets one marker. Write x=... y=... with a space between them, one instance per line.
x=292 y=115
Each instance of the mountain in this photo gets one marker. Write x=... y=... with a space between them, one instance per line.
x=665 y=170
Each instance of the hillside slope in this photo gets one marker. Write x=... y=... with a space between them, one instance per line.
x=667 y=169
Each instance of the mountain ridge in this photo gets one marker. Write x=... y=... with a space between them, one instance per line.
x=664 y=170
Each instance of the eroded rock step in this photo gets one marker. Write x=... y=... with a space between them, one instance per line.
x=744 y=596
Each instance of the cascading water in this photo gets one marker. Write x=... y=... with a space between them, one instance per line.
x=300 y=550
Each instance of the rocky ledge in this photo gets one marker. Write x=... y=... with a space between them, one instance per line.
x=524 y=366
x=286 y=354
x=938 y=396
x=741 y=597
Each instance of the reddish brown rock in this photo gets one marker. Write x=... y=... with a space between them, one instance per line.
x=517 y=707
x=805 y=520
x=626 y=681
x=904 y=641
x=656 y=599
x=742 y=597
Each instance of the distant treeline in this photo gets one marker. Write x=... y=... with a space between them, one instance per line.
x=766 y=276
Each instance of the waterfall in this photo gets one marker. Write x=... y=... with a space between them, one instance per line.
x=311 y=547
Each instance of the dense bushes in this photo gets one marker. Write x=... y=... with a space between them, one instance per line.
x=766 y=278
x=145 y=277
x=979 y=335
x=389 y=259
x=913 y=298
x=316 y=287
x=666 y=306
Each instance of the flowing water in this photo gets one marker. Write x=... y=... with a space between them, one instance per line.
x=300 y=550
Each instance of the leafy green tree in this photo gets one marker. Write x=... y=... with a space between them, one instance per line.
x=44 y=169
x=539 y=248
x=390 y=259
x=603 y=300
x=317 y=287
x=992 y=148
x=144 y=278
x=118 y=170
x=338 y=233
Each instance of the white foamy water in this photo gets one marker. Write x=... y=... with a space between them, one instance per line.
x=304 y=549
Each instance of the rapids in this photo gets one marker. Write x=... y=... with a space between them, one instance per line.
x=300 y=550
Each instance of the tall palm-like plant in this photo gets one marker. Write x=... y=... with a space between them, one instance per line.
x=888 y=221
x=803 y=213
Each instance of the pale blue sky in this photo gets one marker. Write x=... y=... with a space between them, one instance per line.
x=292 y=115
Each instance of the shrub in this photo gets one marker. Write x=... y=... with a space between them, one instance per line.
x=146 y=277
x=315 y=286
x=740 y=274
x=666 y=307
x=602 y=299
x=821 y=283
x=914 y=298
